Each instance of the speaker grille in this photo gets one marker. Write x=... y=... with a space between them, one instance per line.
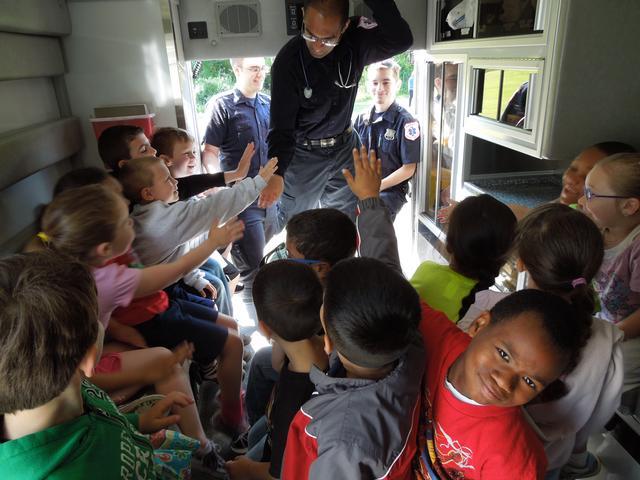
x=239 y=19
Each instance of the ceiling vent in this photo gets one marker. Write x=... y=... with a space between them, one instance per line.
x=239 y=19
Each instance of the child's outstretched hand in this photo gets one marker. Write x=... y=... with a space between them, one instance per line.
x=156 y=417
x=228 y=233
x=182 y=352
x=368 y=174
x=243 y=165
x=268 y=169
x=445 y=212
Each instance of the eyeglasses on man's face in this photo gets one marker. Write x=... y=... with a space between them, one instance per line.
x=589 y=194
x=258 y=69
x=281 y=253
x=327 y=42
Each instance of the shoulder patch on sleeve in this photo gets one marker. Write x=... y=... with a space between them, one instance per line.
x=367 y=23
x=412 y=130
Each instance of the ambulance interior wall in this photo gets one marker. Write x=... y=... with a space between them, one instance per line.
x=116 y=55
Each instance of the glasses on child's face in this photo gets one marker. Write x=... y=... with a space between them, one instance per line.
x=327 y=42
x=588 y=194
x=281 y=253
x=255 y=69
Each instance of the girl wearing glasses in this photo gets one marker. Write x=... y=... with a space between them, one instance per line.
x=612 y=200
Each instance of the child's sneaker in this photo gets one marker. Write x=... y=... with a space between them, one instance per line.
x=209 y=372
x=220 y=424
x=212 y=461
x=590 y=468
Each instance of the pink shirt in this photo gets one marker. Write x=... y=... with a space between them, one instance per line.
x=618 y=281
x=116 y=286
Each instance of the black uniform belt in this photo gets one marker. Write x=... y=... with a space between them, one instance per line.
x=328 y=142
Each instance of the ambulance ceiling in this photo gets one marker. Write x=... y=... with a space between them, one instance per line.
x=223 y=29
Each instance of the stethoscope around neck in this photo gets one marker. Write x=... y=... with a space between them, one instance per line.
x=308 y=91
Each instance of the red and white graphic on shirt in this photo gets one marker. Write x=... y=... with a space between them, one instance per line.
x=450 y=451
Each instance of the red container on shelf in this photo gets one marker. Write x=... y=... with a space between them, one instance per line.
x=144 y=121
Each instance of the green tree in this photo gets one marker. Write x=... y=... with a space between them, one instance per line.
x=363 y=99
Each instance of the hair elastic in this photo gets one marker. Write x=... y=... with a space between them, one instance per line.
x=578 y=281
x=44 y=237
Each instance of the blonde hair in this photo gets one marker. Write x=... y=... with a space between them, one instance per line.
x=164 y=139
x=78 y=220
x=624 y=173
x=135 y=175
x=386 y=64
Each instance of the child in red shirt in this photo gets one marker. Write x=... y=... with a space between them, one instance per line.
x=472 y=426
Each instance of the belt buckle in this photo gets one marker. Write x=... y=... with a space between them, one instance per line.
x=327 y=142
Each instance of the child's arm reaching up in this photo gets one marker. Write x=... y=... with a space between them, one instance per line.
x=368 y=174
x=243 y=165
x=160 y=276
x=375 y=229
x=230 y=202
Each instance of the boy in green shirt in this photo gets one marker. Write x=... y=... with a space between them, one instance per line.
x=55 y=424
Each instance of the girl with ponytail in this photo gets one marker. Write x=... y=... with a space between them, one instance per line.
x=561 y=250
x=479 y=239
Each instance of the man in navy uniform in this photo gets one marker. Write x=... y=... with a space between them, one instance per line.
x=239 y=117
x=392 y=132
x=315 y=78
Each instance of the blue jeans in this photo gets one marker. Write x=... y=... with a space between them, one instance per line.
x=249 y=250
x=215 y=276
x=260 y=382
x=314 y=179
x=257 y=439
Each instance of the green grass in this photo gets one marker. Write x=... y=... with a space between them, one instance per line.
x=513 y=79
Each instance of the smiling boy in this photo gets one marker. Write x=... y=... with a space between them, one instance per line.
x=164 y=226
x=472 y=426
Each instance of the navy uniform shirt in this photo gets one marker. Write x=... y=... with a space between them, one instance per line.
x=394 y=135
x=328 y=111
x=235 y=121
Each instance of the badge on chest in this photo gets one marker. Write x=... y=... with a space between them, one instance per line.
x=390 y=134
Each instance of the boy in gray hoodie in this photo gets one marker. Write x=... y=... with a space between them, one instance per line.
x=167 y=228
